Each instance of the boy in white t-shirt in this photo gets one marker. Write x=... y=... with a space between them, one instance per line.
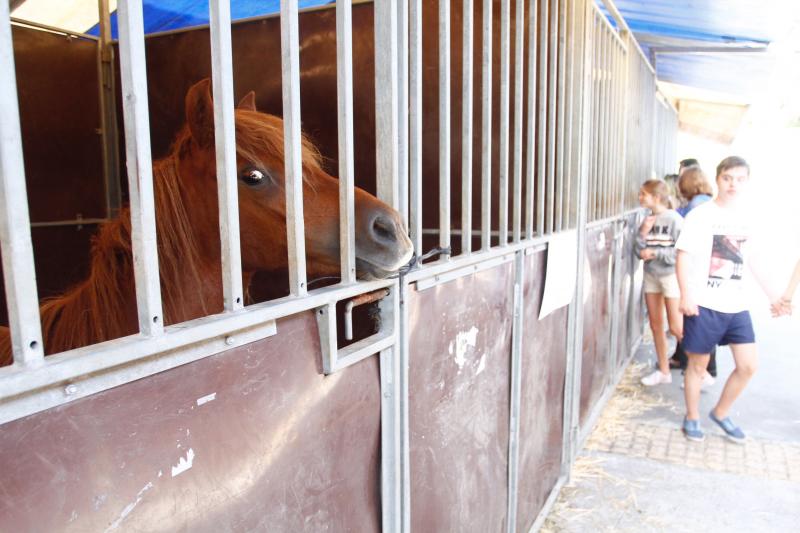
x=712 y=252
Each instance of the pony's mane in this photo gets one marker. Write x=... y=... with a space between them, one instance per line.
x=95 y=310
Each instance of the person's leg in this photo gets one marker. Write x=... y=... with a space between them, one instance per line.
x=674 y=317
x=692 y=381
x=745 y=357
x=655 y=310
x=712 y=363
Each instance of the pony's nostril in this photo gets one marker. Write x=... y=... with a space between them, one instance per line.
x=383 y=229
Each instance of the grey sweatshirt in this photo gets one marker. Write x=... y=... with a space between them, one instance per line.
x=662 y=239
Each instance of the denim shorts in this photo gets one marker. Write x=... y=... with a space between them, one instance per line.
x=710 y=328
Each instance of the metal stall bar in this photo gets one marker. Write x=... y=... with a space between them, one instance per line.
x=502 y=170
x=140 y=169
x=595 y=110
x=393 y=371
x=575 y=109
x=344 y=99
x=623 y=100
x=466 y=128
x=486 y=129
x=402 y=107
x=519 y=37
x=560 y=115
x=620 y=113
x=108 y=111
x=444 y=125
x=516 y=388
x=575 y=312
x=604 y=120
x=415 y=123
x=19 y=274
x=569 y=123
x=552 y=96
x=225 y=142
x=290 y=69
x=531 y=118
x=541 y=111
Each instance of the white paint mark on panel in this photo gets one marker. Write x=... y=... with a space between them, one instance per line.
x=184 y=464
x=130 y=507
x=207 y=398
x=481 y=365
x=464 y=340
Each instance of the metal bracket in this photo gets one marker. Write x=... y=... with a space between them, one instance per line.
x=333 y=358
x=438 y=279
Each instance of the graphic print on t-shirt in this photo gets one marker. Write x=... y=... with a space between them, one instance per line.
x=660 y=237
x=727 y=260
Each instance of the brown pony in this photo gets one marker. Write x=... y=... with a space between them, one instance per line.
x=103 y=306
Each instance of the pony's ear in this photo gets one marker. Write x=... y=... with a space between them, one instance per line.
x=248 y=102
x=200 y=112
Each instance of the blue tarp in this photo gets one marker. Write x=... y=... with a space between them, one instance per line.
x=163 y=15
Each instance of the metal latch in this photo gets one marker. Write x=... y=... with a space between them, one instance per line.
x=333 y=358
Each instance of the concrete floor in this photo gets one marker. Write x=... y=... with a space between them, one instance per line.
x=647 y=477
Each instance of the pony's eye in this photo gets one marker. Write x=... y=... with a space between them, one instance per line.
x=253 y=176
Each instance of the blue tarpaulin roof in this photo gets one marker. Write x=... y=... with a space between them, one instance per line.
x=676 y=29
x=163 y=15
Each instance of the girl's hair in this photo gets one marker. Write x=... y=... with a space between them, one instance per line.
x=692 y=182
x=658 y=189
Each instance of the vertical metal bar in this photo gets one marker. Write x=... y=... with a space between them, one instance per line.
x=386 y=101
x=560 y=116
x=621 y=126
x=466 y=128
x=607 y=122
x=541 y=152
x=225 y=140
x=391 y=420
x=531 y=121
x=444 y=124
x=519 y=35
x=575 y=312
x=516 y=391
x=19 y=275
x=295 y=226
x=486 y=128
x=569 y=83
x=603 y=129
x=402 y=108
x=108 y=111
x=140 y=169
x=415 y=120
x=503 y=146
x=575 y=112
x=552 y=97
x=344 y=93
x=595 y=189
x=403 y=325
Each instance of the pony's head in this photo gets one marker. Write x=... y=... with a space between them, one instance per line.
x=382 y=246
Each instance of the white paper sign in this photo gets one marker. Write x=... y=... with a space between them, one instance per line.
x=562 y=262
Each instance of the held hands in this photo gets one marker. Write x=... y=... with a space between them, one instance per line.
x=688 y=307
x=647 y=254
x=781 y=306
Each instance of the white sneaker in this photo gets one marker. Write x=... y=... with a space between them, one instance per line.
x=656 y=378
x=708 y=381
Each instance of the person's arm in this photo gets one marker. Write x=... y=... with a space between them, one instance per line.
x=669 y=255
x=784 y=305
x=640 y=242
x=682 y=266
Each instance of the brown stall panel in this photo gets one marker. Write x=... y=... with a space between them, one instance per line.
x=60 y=118
x=460 y=348
x=544 y=360
x=636 y=314
x=255 y=439
x=596 y=317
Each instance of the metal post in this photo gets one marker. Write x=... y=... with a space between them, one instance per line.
x=560 y=132
x=569 y=120
x=402 y=107
x=552 y=96
x=542 y=108
x=444 y=124
x=225 y=140
x=502 y=170
x=140 y=170
x=415 y=122
x=108 y=112
x=344 y=93
x=531 y=122
x=295 y=226
x=486 y=128
x=19 y=274
x=466 y=129
x=519 y=38
x=516 y=390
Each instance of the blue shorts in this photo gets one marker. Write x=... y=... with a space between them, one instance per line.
x=710 y=328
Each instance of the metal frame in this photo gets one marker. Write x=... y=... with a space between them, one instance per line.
x=575 y=88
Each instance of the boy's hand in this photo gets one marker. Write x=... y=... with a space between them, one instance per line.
x=647 y=254
x=781 y=306
x=647 y=225
x=688 y=307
